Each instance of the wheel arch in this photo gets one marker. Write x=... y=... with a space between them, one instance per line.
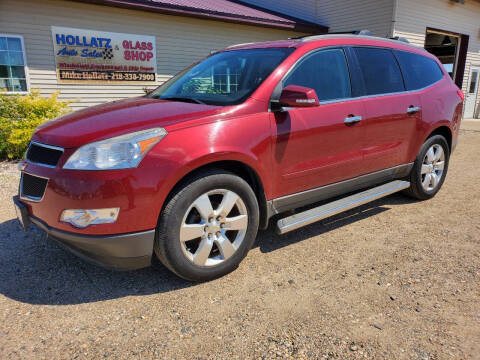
x=239 y=168
x=446 y=132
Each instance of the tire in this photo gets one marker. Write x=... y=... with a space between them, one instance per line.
x=429 y=170
x=221 y=237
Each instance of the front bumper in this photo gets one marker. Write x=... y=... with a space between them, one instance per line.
x=121 y=251
x=138 y=193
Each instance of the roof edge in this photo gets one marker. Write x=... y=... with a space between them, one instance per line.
x=319 y=29
x=291 y=23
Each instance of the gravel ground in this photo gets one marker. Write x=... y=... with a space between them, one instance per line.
x=395 y=279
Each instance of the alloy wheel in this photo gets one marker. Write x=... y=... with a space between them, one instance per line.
x=432 y=167
x=213 y=227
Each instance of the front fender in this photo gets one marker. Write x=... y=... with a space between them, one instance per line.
x=244 y=139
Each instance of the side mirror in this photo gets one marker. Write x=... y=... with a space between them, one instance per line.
x=298 y=96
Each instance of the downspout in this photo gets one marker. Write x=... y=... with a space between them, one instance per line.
x=394 y=18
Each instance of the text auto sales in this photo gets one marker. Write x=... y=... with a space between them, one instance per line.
x=134 y=51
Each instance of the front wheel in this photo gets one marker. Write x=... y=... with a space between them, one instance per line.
x=430 y=168
x=208 y=226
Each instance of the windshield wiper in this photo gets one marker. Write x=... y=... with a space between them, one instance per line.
x=183 y=99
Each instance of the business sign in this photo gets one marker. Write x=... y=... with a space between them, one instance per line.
x=86 y=56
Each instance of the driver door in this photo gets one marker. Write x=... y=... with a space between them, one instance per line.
x=316 y=146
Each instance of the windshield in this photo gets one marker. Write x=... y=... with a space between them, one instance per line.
x=225 y=78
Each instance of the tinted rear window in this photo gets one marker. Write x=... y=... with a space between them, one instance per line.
x=418 y=71
x=380 y=71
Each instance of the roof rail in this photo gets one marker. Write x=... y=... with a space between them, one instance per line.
x=353 y=32
x=236 y=45
x=400 y=38
x=364 y=32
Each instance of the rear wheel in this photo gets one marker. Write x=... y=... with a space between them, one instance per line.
x=208 y=226
x=430 y=168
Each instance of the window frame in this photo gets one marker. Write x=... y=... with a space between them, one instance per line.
x=441 y=68
x=360 y=72
x=473 y=69
x=313 y=53
x=25 y=66
x=356 y=77
x=275 y=97
x=393 y=50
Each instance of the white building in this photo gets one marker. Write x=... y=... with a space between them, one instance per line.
x=153 y=39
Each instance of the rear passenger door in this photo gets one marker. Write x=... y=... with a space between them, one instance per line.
x=422 y=74
x=392 y=114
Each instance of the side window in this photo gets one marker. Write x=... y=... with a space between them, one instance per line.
x=380 y=71
x=326 y=72
x=12 y=64
x=419 y=71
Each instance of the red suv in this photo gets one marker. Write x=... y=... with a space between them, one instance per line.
x=191 y=171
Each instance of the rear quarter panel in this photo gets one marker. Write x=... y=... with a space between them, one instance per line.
x=441 y=106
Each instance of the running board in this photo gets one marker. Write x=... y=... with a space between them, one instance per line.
x=335 y=207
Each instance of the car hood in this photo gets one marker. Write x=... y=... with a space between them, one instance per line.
x=117 y=118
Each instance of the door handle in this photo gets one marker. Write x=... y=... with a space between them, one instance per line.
x=352 y=120
x=413 y=109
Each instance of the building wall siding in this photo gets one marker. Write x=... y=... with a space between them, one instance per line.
x=339 y=15
x=413 y=17
x=179 y=41
x=347 y=15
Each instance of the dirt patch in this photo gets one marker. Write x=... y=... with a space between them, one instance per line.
x=394 y=279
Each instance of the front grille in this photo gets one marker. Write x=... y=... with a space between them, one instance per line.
x=44 y=154
x=32 y=187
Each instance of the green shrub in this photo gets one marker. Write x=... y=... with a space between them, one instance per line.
x=19 y=117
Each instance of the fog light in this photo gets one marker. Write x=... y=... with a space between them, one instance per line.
x=82 y=218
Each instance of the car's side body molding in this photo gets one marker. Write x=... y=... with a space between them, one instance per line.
x=293 y=201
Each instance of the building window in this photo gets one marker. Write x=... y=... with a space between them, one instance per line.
x=13 y=67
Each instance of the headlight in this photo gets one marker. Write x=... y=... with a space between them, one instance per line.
x=121 y=152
